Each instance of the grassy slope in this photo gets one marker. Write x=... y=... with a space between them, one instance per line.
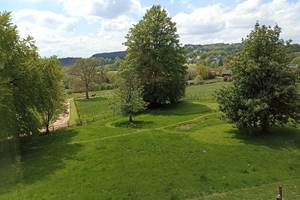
x=177 y=152
x=74 y=118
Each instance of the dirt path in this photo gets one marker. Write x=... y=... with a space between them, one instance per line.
x=62 y=120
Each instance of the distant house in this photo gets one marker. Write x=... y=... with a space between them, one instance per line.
x=226 y=72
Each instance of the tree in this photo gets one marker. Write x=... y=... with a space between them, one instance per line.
x=18 y=75
x=264 y=91
x=202 y=71
x=128 y=96
x=51 y=91
x=154 y=52
x=86 y=69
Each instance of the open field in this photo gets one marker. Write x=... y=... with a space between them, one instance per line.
x=184 y=151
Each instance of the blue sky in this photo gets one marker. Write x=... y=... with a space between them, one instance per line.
x=84 y=27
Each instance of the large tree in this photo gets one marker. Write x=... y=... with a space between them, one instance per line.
x=18 y=75
x=264 y=91
x=86 y=69
x=51 y=91
x=155 y=53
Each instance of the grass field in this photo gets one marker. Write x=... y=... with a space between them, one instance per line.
x=74 y=117
x=182 y=151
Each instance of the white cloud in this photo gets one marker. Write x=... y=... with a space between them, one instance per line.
x=55 y=34
x=216 y=23
x=46 y=18
x=101 y=8
x=201 y=21
x=87 y=27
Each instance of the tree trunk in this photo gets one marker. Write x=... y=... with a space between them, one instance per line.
x=47 y=128
x=265 y=125
x=86 y=91
x=130 y=118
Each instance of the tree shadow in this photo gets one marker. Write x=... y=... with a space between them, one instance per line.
x=135 y=124
x=181 y=108
x=32 y=159
x=92 y=99
x=277 y=138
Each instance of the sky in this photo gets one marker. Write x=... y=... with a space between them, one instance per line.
x=80 y=28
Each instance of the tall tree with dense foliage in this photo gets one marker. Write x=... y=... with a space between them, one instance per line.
x=18 y=75
x=155 y=53
x=128 y=96
x=51 y=91
x=86 y=69
x=264 y=91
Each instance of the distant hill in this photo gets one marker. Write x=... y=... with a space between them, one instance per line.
x=67 y=61
x=107 y=58
x=209 y=54
x=110 y=55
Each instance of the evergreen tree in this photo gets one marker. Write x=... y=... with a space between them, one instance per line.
x=158 y=58
x=264 y=91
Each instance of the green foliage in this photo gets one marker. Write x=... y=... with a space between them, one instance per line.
x=296 y=61
x=212 y=55
x=200 y=72
x=86 y=70
x=31 y=88
x=155 y=53
x=264 y=92
x=51 y=91
x=128 y=96
x=18 y=74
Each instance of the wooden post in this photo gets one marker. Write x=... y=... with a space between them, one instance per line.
x=279 y=195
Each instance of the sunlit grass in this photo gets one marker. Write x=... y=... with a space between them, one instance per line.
x=183 y=151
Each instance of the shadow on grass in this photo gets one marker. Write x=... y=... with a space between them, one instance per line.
x=92 y=99
x=277 y=138
x=33 y=159
x=181 y=108
x=134 y=124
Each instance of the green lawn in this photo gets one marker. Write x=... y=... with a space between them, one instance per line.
x=74 y=117
x=182 y=151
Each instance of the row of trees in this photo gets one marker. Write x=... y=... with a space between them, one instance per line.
x=31 y=87
x=199 y=72
x=264 y=92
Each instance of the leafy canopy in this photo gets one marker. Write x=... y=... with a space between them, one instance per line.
x=158 y=58
x=18 y=80
x=51 y=91
x=86 y=69
x=264 y=91
x=128 y=96
x=26 y=83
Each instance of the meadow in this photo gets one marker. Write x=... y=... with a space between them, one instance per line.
x=183 y=151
